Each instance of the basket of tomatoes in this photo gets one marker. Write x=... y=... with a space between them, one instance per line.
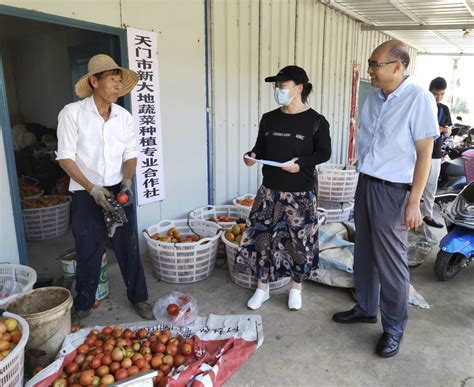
x=224 y=215
x=245 y=201
x=46 y=217
x=14 y=332
x=184 y=250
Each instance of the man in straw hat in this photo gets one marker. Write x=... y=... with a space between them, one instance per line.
x=97 y=149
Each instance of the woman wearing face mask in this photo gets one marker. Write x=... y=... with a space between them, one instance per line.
x=281 y=238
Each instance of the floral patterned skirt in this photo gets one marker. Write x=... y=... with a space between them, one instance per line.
x=281 y=238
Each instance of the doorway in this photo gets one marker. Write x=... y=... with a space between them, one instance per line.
x=41 y=61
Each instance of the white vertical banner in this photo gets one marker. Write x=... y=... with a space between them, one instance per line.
x=143 y=58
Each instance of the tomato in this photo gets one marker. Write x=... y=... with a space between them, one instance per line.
x=128 y=334
x=121 y=374
x=87 y=377
x=122 y=198
x=102 y=371
x=96 y=304
x=83 y=349
x=61 y=382
x=140 y=363
x=133 y=370
x=71 y=368
x=187 y=349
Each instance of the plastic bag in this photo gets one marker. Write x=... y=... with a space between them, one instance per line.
x=185 y=313
x=10 y=287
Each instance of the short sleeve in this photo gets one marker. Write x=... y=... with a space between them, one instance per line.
x=424 y=120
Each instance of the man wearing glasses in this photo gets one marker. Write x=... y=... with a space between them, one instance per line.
x=394 y=144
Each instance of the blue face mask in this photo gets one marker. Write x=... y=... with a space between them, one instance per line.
x=282 y=97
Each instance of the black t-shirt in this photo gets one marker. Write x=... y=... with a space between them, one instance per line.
x=281 y=137
x=444 y=119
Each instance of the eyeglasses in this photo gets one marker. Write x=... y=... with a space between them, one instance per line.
x=375 y=65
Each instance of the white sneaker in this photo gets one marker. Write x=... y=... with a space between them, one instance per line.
x=258 y=298
x=294 y=299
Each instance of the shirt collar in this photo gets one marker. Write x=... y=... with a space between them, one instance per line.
x=90 y=105
x=407 y=80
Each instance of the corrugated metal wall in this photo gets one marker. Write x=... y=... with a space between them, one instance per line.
x=253 y=39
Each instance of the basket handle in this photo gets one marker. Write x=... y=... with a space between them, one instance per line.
x=166 y=223
x=146 y=234
x=207 y=208
x=204 y=240
x=321 y=219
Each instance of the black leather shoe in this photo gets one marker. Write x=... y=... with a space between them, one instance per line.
x=388 y=345
x=431 y=222
x=352 y=316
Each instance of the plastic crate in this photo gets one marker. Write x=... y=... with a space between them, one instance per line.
x=337 y=182
x=25 y=275
x=233 y=211
x=184 y=262
x=336 y=212
x=47 y=222
x=12 y=367
x=246 y=280
x=243 y=197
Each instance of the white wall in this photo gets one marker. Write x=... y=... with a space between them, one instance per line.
x=8 y=243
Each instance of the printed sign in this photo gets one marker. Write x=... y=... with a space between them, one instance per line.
x=142 y=56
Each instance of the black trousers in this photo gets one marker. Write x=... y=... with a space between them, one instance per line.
x=90 y=234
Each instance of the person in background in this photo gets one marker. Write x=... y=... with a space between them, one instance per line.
x=97 y=149
x=394 y=144
x=281 y=238
x=438 y=88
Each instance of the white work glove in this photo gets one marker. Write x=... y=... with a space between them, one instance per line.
x=100 y=195
x=126 y=187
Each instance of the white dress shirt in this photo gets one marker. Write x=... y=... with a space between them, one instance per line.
x=390 y=127
x=98 y=147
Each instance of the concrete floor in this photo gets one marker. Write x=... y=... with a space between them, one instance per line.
x=306 y=348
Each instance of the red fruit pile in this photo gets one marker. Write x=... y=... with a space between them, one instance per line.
x=10 y=336
x=114 y=354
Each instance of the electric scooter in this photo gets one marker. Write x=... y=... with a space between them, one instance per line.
x=457 y=247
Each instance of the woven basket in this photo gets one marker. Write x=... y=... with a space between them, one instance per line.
x=208 y=212
x=337 y=182
x=336 y=212
x=47 y=222
x=12 y=367
x=25 y=275
x=243 y=197
x=184 y=262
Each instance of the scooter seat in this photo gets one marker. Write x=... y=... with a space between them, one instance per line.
x=454 y=168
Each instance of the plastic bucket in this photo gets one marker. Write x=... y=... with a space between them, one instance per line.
x=48 y=313
x=68 y=259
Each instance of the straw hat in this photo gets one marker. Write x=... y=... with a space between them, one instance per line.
x=99 y=63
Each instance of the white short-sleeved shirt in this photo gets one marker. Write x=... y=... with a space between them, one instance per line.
x=390 y=127
x=98 y=147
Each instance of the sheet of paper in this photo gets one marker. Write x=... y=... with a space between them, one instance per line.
x=272 y=163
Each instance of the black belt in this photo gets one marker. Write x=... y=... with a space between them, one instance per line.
x=404 y=186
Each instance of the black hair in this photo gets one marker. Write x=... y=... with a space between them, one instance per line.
x=401 y=54
x=438 y=83
x=101 y=74
x=307 y=89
